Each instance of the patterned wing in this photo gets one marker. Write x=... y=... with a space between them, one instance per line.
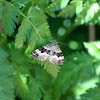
x=50 y=51
x=40 y=54
x=56 y=56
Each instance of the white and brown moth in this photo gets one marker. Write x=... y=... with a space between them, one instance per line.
x=51 y=52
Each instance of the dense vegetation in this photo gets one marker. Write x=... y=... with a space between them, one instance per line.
x=30 y=24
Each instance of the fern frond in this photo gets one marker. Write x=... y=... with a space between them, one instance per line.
x=58 y=4
x=70 y=10
x=20 y=3
x=44 y=28
x=33 y=40
x=36 y=25
x=78 y=69
x=87 y=13
x=93 y=48
x=24 y=10
x=27 y=91
x=92 y=94
x=6 y=82
x=96 y=19
x=23 y=32
x=52 y=69
x=9 y=18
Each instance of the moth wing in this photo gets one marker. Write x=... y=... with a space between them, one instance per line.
x=56 y=60
x=41 y=54
x=50 y=51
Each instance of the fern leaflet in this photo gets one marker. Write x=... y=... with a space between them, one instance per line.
x=9 y=19
x=51 y=68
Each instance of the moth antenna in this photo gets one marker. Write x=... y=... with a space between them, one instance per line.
x=63 y=43
x=58 y=42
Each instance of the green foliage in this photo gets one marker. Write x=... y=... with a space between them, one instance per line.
x=28 y=90
x=23 y=32
x=30 y=24
x=20 y=3
x=1 y=9
x=36 y=27
x=58 y=4
x=6 y=84
x=87 y=13
x=51 y=68
x=70 y=10
x=92 y=94
x=9 y=19
x=93 y=48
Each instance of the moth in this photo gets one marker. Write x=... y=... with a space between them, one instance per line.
x=51 y=52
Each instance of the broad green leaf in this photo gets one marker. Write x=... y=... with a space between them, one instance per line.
x=9 y=18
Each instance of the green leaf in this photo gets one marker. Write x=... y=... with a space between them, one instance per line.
x=71 y=9
x=6 y=81
x=43 y=7
x=58 y=4
x=1 y=8
x=3 y=54
x=24 y=10
x=60 y=86
x=51 y=68
x=40 y=27
x=33 y=40
x=96 y=19
x=79 y=7
x=36 y=28
x=93 y=48
x=78 y=68
x=85 y=65
x=23 y=32
x=64 y=3
x=82 y=87
x=27 y=90
x=92 y=94
x=20 y=3
x=46 y=97
x=6 y=89
x=87 y=13
x=9 y=18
